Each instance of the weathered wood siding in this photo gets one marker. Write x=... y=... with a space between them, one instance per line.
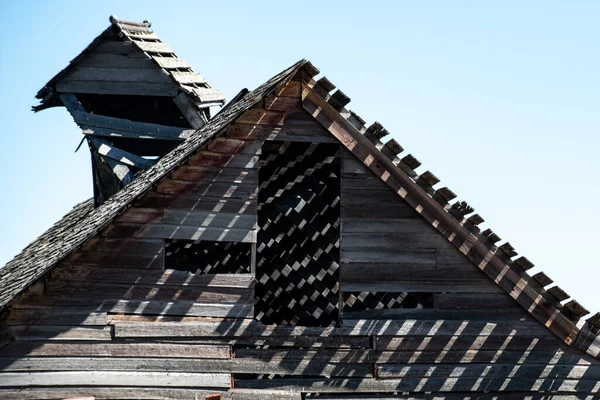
x=111 y=322
x=118 y=67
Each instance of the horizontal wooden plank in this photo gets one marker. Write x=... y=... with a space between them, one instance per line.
x=383 y=225
x=419 y=385
x=156 y=278
x=113 y=349
x=183 y=232
x=215 y=174
x=211 y=159
x=195 y=203
x=223 y=145
x=58 y=332
x=109 y=74
x=393 y=240
x=262 y=117
x=185 y=217
x=119 y=257
x=290 y=89
x=213 y=189
x=270 y=132
x=118 y=47
x=147 y=307
x=123 y=364
x=355 y=207
x=120 y=124
x=475 y=300
x=486 y=314
x=416 y=257
x=49 y=317
x=115 y=378
x=129 y=327
x=506 y=371
x=167 y=89
x=444 y=276
x=521 y=341
x=95 y=392
x=115 y=60
x=101 y=290
x=170 y=62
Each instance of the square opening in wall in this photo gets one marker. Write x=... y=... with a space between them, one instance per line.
x=208 y=257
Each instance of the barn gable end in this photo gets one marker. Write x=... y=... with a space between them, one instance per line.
x=282 y=251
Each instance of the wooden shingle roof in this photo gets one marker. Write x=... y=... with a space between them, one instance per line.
x=83 y=221
x=142 y=37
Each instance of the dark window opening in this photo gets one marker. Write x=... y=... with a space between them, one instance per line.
x=207 y=257
x=297 y=266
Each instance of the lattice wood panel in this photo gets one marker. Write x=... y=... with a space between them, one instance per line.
x=207 y=257
x=298 y=241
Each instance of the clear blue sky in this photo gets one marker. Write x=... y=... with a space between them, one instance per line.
x=500 y=100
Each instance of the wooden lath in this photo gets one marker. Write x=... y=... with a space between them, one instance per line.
x=456 y=222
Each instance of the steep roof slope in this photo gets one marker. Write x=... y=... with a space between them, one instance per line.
x=83 y=222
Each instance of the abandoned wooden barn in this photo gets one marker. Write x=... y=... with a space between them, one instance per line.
x=275 y=250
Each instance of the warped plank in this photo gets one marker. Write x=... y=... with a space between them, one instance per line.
x=106 y=149
x=123 y=364
x=115 y=378
x=113 y=349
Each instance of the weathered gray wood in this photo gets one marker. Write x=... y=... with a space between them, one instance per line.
x=498 y=371
x=488 y=314
x=216 y=174
x=167 y=89
x=119 y=124
x=106 y=149
x=58 y=332
x=191 y=113
x=108 y=60
x=267 y=132
x=185 y=217
x=49 y=317
x=170 y=62
x=117 y=47
x=147 y=307
x=244 y=190
x=55 y=393
x=522 y=341
x=114 y=133
x=418 y=385
x=206 y=95
x=184 y=232
x=167 y=277
x=211 y=159
x=115 y=378
x=193 y=203
x=123 y=364
x=417 y=257
x=393 y=240
x=113 y=349
x=383 y=328
x=467 y=300
x=154 y=47
x=111 y=290
x=109 y=74
x=383 y=225
x=187 y=77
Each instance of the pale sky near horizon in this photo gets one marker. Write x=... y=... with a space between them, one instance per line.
x=500 y=100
